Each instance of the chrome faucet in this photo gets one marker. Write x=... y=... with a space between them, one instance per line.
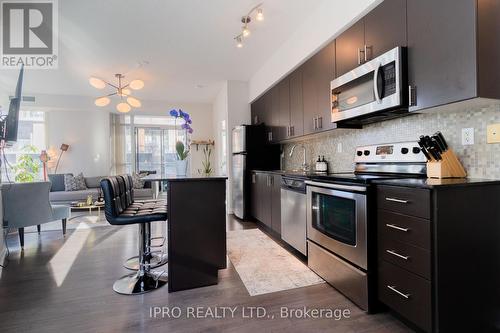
x=304 y=166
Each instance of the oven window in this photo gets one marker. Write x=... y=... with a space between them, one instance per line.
x=335 y=217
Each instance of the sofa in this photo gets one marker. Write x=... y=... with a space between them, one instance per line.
x=58 y=195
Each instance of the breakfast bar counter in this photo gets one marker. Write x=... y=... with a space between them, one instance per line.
x=196 y=229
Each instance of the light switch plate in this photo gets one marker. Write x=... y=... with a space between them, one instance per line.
x=467 y=136
x=493 y=133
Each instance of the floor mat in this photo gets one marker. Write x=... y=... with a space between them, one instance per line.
x=264 y=266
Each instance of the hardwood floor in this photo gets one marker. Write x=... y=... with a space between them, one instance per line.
x=65 y=284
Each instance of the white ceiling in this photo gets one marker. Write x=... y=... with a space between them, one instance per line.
x=186 y=42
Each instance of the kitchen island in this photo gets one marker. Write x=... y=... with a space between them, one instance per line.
x=196 y=229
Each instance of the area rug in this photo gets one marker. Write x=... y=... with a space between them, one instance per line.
x=264 y=266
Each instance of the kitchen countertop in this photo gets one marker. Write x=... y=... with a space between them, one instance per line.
x=298 y=174
x=433 y=182
x=174 y=178
x=428 y=183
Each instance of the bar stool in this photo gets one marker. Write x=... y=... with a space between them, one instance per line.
x=157 y=257
x=122 y=210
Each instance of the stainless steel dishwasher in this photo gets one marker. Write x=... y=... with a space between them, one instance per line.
x=294 y=213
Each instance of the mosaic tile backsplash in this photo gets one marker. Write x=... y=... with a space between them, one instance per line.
x=481 y=160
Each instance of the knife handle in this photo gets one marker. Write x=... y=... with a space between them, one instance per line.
x=441 y=140
x=424 y=150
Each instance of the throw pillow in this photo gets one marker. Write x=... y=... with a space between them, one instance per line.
x=57 y=182
x=137 y=181
x=74 y=183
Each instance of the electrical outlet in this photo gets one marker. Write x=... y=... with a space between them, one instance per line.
x=467 y=136
x=339 y=147
x=493 y=133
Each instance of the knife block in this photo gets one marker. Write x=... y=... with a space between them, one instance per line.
x=448 y=167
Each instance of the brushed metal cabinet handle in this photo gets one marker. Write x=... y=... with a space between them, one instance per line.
x=366 y=53
x=359 y=55
x=393 y=288
x=397 y=200
x=412 y=96
x=394 y=253
x=320 y=119
x=393 y=226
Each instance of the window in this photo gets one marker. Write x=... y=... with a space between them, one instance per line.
x=146 y=143
x=31 y=133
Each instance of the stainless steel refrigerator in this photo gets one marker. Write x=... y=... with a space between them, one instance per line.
x=250 y=151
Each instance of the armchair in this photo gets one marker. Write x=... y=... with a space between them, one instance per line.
x=27 y=204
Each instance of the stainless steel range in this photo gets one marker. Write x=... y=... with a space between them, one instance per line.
x=340 y=227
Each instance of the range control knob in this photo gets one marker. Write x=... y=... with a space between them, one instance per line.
x=416 y=150
x=404 y=151
x=366 y=152
x=359 y=153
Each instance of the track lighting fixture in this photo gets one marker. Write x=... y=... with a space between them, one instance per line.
x=245 y=31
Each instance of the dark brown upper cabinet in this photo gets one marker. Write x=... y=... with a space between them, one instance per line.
x=441 y=52
x=385 y=28
x=284 y=110
x=452 y=59
x=379 y=31
x=296 y=104
x=350 y=48
x=257 y=111
x=317 y=74
x=275 y=114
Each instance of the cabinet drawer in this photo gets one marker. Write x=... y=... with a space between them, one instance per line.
x=406 y=293
x=407 y=229
x=408 y=201
x=412 y=258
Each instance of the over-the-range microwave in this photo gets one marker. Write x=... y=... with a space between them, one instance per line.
x=372 y=91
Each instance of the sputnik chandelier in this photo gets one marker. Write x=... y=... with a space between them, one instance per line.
x=121 y=90
x=245 y=31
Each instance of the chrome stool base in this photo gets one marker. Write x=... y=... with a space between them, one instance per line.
x=157 y=260
x=135 y=284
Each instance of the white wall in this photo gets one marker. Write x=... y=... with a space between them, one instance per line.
x=87 y=133
x=231 y=106
x=322 y=25
x=86 y=128
x=220 y=115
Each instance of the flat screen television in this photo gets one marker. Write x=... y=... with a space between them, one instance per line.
x=10 y=125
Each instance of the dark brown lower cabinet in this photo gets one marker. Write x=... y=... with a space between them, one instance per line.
x=276 y=203
x=439 y=254
x=266 y=199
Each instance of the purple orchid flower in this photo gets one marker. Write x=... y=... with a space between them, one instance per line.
x=174 y=113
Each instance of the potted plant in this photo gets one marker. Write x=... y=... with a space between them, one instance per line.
x=180 y=147
x=28 y=167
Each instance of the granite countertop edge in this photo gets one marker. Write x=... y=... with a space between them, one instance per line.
x=427 y=183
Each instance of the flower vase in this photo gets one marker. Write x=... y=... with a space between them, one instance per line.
x=181 y=167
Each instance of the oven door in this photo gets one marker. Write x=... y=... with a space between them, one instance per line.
x=336 y=220
x=371 y=87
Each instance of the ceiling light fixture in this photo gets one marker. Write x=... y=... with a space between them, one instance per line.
x=260 y=15
x=246 y=19
x=122 y=90
x=239 y=42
